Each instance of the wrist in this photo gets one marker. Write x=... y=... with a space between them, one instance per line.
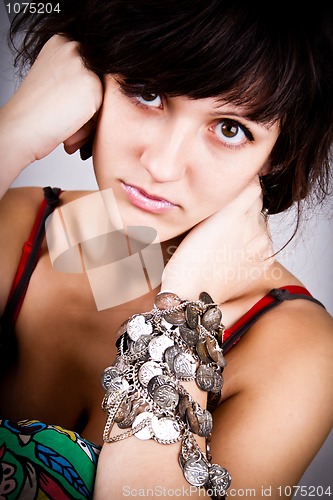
x=15 y=137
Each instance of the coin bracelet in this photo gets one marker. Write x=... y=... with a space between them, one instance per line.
x=176 y=341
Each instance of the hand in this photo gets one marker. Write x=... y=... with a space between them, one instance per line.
x=56 y=103
x=223 y=254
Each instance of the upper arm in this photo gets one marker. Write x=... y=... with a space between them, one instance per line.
x=18 y=209
x=269 y=430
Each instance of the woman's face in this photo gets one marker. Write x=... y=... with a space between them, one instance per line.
x=173 y=162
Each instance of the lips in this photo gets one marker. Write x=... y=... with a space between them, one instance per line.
x=145 y=201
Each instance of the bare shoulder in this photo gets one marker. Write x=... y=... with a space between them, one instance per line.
x=279 y=404
x=18 y=210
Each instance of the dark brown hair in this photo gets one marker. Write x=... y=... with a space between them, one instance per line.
x=276 y=62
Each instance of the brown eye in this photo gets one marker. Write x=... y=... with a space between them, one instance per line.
x=150 y=100
x=229 y=129
x=148 y=97
x=232 y=133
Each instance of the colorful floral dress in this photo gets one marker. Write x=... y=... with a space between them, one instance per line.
x=39 y=461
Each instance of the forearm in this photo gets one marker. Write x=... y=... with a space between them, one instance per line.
x=133 y=464
x=157 y=389
x=15 y=154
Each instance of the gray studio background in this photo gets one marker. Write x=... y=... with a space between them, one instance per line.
x=309 y=255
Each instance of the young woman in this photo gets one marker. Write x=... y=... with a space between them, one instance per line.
x=201 y=115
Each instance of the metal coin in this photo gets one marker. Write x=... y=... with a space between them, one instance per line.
x=156 y=382
x=146 y=432
x=212 y=318
x=192 y=419
x=169 y=355
x=165 y=428
x=137 y=326
x=175 y=318
x=184 y=365
x=118 y=384
x=112 y=380
x=206 y=298
x=189 y=335
x=158 y=345
x=196 y=472
x=205 y=377
x=218 y=383
x=215 y=352
x=149 y=370
x=166 y=300
x=220 y=334
x=184 y=403
x=205 y=420
x=129 y=419
x=219 y=479
x=166 y=397
x=192 y=316
x=141 y=346
x=107 y=375
x=123 y=411
x=202 y=351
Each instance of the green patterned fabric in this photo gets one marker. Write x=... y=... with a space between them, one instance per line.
x=39 y=461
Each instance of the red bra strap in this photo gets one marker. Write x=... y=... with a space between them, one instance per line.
x=272 y=299
x=29 y=258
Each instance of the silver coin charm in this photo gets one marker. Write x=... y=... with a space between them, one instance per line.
x=140 y=347
x=156 y=382
x=165 y=429
x=202 y=351
x=215 y=352
x=212 y=318
x=107 y=375
x=158 y=345
x=167 y=300
x=205 y=420
x=170 y=354
x=128 y=420
x=112 y=380
x=149 y=370
x=184 y=366
x=137 y=326
x=219 y=479
x=123 y=411
x=146 y=432
x=192 y=316
x=189 y=335
x=205 y=376
x=206 y=298
x=218 y=383
x=196 y=472
x=166 y=397
x=175 y=318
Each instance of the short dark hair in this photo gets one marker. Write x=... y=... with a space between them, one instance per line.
x=276 y=62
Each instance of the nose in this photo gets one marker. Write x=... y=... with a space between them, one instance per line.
x=166 y=152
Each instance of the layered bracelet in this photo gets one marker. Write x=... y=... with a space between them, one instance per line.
x=176 y=341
